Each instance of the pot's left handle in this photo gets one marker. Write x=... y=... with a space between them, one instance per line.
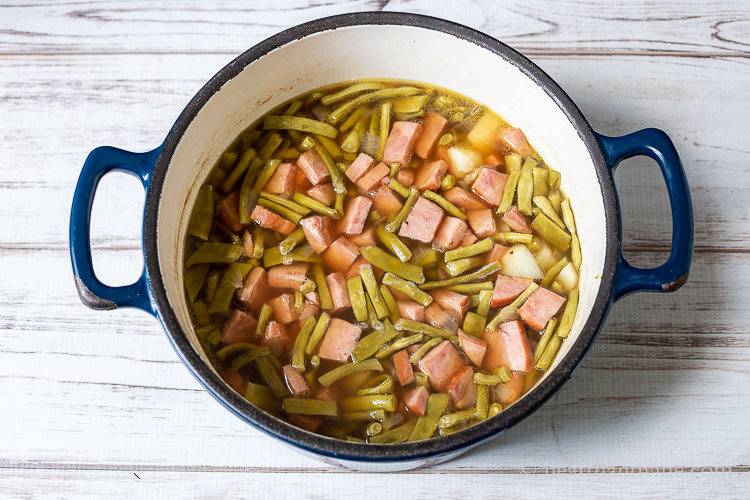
x=94 y=293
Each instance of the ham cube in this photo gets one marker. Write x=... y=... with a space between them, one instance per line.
x=496 y=253
x=323 y=193
x=295 y=381
x=240 y=327
x=265 y=218
x=359 y=262
x=507 y=288
x=339 y=292
x=355 y=215
x=422 y=222
x=506 y=394
x=339 y=340
x=517 y=221
x=454 y=302
x=450 y=234
x=440 y=318
x=310 y=423
x=254 y=291
x=278 y=338
x=398 y=147
x=474 y=348
x=461 y=388
x=229 y=211
x=413 y=348
x=430 y=175
x=340 y=255
x=464 y=199
x=318 y=232
x=540 y=307
x=386 y=201
x=327 y=393
x=482 y=222
x=235 y=380
x=405 y=176
x=408 y=309
x=288 y=276
x=301 y=182
x=283 y=308
x=440 y=363
x=404 y=372
x=313 y=297
x=494 y=160
x=372 y=177
x=312 y=165
x=308 y=310
x=469 y=239
x=508 y=346
x=433 y=126
x=365 y=238
x=359 y=167
x=489 y=185
x=247 y=244
x=416 y=400
x=283 y=180
x=515 y=139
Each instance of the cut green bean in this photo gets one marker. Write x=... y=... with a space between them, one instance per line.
x=509 y=191
x=567 y=215
x=212 y=252
x=271 y=377
x=261 y=396
x=568 y=315
x=383 y=385
x=286 y=203
x=427 y=425
x=202 y=216
x=518 y=301
x=238 y=348
x=272 y=143
x=363 y=416
x=393 y=243
x=200 y=313
x=265 y=174
x=212 y=282
x=317 y=334
x=194 y=278
x=480 y=247
x=350 y=91
x=248 y=357
x=385 y=402
x=373 y=429
x=300 y=343
x=228 y=159
x=371 y=286
x=385 y=125
x=474 y=324
x=447 y=183
x=293 y=108
x=399 y=188
x=485 y=298
x=337 y=180
x=231 y=280
x=471 y=288
x=485 y=379
x=282 y=211
x=390 y=303
x=548 y=356
x=483 y=402
x=460 y=266
x=357 y=297
x=513 y=238
x=477 y=275
x=553 y=179
x=446 y=205
x=556 y=199
x=344 y=370
x=301 y=406
x=324 y=293
x=407 y=288
x=575 y=252
x=507 y=313
x=397 y=435
x=305 y=253
x=541 y=188
x=353 y=139
x=553 y=271
x=398 y=345
x=342 y=111
x=307 y=143
x=415 y=326
x=382 y=260
x=299 y=124
x=495 y=408
x=419 y=353
x=371 y=343
x=549 y=330
x=545 y=206
x=526 y=187
x=239 y=170
x=395 y=224
x=451 y=419
x=314 y=205
x=551 y=232
x=360 y=113
x=287 y=244
x=264 y=317
x=421 y=380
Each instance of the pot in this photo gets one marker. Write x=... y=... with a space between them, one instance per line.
x=382 y=45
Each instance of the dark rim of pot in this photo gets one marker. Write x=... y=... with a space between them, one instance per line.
x=346 y=450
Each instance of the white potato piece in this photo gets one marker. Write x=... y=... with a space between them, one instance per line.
x=519 y=262
x=463 y=161
x=568 y=277
x=483 y=135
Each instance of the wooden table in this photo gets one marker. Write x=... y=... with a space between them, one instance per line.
x=97 y=404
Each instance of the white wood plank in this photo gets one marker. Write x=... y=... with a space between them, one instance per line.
x=131 y=101
x=691 y=27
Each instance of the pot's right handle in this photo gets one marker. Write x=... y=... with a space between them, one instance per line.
x=673 y=273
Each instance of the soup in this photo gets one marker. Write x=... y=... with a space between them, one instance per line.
x=382 y=261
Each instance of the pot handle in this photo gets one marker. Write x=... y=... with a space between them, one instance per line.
x=94 y=293
x=671 y=275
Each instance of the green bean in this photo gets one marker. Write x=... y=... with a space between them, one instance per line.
x=419 y=353
x=231 y=280
x=301 y=406
x=424 y=256
x=294 y=206
x=477 y=275
x=263 y=317
x=399 y=188
x=483 y=402
x=385 y=402
x=551 y=232
x=269 y=375
x=407 y=288
x=300 y=343
x=374 y=428
x=353 y=139
x=415 y=326
x=350 y=91
x=507 y=313
x=353 y=439
x=305 y=253
x=353 y=119
x=397 y=435
x=212 y=282
x=270 y=146
x=553 y=179
x=217 y=177
x=212 y=252
x=317 y=334
x=228 y=159
x=549 y=330
x=390 y=303
x=239 y=170
x=568 y=315
x=371 y=285
x=293 y=108
x=307 y=143
x=384 y=385
x=567 y=215
x=451 y=419
x=248 y=357
x=426 y=425
x=342 y=111
x=485 y=297
x=380 y=259
x=540 y=181
x=471 y=288
x=548 y=356
x=393 y=243
x=265 y=174
x=299 y=124
x=575 y=252
x=525 y=187
x=556 y=199
x=398 y=345
x=513 y=162
x=553 y=271
x=282 y=211
x=484 y=379
x=446 y=205
x=287 y=244
x=336 y=179
x=460 y=266
x=545 y=206
x=357 y=297
x=513 y=238
x=474 y=324
x=518 y=301
x=480 y=247
x=402 y=214
x=421 y=380
x=447 y=183
x=509 y=191
x=339 y=204
x=344 y=370
x=410 y=105
x=362 y=416
x=385 y=125
x=261 y=396
x=194 y=278
x=495 y=408
x=331 y=146
x=200 y=313
x=370 y=344
x=237 y=348
x=202 y=216
x=314 y=205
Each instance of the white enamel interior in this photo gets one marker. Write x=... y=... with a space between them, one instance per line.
x=403 y=52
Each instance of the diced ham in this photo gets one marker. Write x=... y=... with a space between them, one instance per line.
x=413 y=348
x=289 y=276
x=247 y=244
x=405 y=176
x=464 y=199
x=416 y=400
x=422 y=222
x=496 y=253
x=454 y=302
x=318 y=232
x=494 y=160
x=515 y=139
x=265 y=218
x=440 y=363
x=310 y=423
x=355 y=215
x=372 y=177
x=295 y=381
x=440 y=318
x=339 y=340
x=235 y=380
x=450 y=234
x=469 y=239
x=404 y=372
x=308 y=310
x=507 y=288
x=359 y=167
x=254 y=291
x=313 y=166
x=474 y=348
x=340 y=254
x=365 y=238
x=398 y=295
x=283 y=308
x=398 y=147
x=339 y=292
x=540 y=307
x=461 y=388
x=386 y=201
x=441 y=153
x=482 y=222
x=240 y=327
x=408 y=309
x=283 y=179
x=313 y=297
x=489 y=185
x=517 y=221
x=506 y=394
x=430 y=175
x=359 y=262
x=323 y=193
x=229 y=211
x=508 y=346
x=301 y=182
x=326 y=393
x=433 y=126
